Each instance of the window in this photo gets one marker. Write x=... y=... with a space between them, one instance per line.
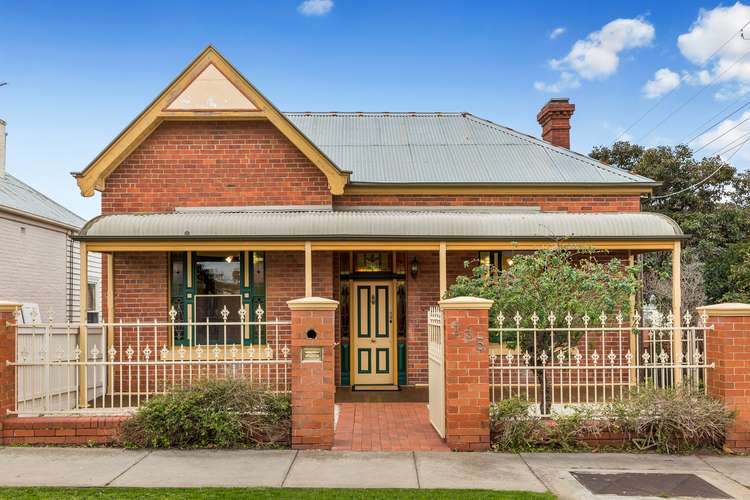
x=372 y=262
x=493 y=258
x=217 y=286
x=92 y=307
x=203 y=284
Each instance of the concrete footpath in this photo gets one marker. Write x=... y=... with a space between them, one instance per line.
x=114 y=467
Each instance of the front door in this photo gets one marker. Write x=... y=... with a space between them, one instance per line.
x=373 y=363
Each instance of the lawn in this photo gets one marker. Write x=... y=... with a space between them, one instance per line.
x=222 y=493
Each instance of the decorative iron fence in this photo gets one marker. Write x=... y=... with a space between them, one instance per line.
x=557 y=362
x=112 y=368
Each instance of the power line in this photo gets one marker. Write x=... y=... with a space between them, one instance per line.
x=725 y=163
x=731 y=145
x=661 y=99
x=721 y=135
x=693 y=136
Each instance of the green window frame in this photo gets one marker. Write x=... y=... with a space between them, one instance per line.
x=252 y=267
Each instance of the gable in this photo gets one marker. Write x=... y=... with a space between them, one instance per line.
x=210 y=88
x=214 y=164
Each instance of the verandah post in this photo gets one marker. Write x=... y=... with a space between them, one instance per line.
x=467 y=388
x=83 y=265
x=313 y=381
x=728 y=347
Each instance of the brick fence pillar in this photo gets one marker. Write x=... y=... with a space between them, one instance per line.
x=467 y=391
x=313 y=376
x=728 y=346
x=7 y=353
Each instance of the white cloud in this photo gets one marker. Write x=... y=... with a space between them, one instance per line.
x=727 y=134
x=566 y=81
x=708 y=33
x=732 y=91
x=700 y=77
x=557 y=32
x=598 y=55
x=665 y=80
x=315 y=7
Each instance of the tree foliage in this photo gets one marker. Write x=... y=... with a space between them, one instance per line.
x=554 y=280
x=716 y=212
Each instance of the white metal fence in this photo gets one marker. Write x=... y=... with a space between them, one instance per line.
x=555 y=362
x=124 y=364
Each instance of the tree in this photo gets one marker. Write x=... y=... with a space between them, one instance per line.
x=710 y=201
x=555 y=281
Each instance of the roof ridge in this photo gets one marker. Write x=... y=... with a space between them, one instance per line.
x=558 y=149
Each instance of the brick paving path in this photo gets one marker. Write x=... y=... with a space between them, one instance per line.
x=386 y=427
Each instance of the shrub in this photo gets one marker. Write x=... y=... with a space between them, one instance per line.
x=676 y=420
x=211 y=414
x=515 y=426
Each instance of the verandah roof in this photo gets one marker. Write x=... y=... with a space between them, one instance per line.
x=407 y=224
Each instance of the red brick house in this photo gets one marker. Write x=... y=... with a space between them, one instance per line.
x=213 y=198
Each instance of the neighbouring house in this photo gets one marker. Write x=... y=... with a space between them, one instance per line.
x=215 y=205
x=39 y=259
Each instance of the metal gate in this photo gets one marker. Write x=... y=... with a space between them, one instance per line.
x=436 y=368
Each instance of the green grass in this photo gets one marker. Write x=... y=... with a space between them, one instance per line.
x=224 y=493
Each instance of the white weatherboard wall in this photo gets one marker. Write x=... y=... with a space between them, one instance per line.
x=39 y=264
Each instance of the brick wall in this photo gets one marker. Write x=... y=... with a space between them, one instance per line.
x=61 y=430
x=313 y=382
x=141 y=281
x=214 y=164
x=467 y=423
x=7 y=353
x=285 y=280
x=547 y=203
x=422 y=293
x=729 y=349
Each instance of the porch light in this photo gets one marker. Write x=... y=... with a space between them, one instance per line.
x=229 y=259
x=414 y=267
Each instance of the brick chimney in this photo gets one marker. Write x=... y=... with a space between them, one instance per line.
x=554 y=117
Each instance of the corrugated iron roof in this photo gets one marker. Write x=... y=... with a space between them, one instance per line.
x=469 y=224
x=19 y=196
x=439 y=148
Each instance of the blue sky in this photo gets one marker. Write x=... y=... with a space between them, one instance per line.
x=78 y=72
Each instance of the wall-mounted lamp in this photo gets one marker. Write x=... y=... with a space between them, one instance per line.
x=414 y=266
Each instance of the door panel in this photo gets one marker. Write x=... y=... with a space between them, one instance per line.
x=363 y=311
x=373 y=341
x=382 y=360
x=382 y=311
x=364 y=361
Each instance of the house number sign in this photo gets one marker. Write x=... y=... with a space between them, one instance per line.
x=468 y=336
x=311 y=354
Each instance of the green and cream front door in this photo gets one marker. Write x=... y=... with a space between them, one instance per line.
x=373 y=363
